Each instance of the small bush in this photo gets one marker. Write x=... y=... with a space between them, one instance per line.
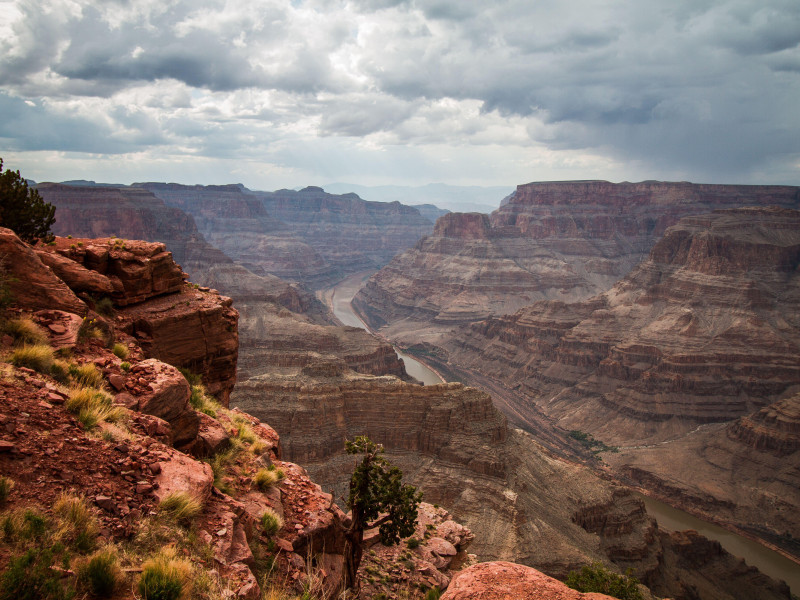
x=77 y=525
x=181 y=506
x=104 y=307
x=30 y=577
x=38 y=357
x=87 y=375
x=101 y=574
x=413 y=543
x=202 y=402
x=125 y=366
x=120 y=351
x=25 y=331
x=164 y=577
x=266 y=478
x=433 y=594
x=270 y=522
x=60 y=371
x=193 y=378
x=596 y=578
x=6 y=485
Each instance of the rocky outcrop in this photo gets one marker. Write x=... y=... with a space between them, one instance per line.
x=30 y=282
x=127 y=271
x=562 y=241
x=193 y=329
x=509 y=581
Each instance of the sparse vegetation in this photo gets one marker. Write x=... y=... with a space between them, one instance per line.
x=120 y=351
x=25 y=331
x=200 y=400
x=266 y=478
x=86 y=375
x=164 y=577
x=587 y=441
x=100 y=574
x=38 y=357
x=182 y=507
x=6 y=485
x=77 y=525
x=104 y=306
x=413 y=543
x=270 y=522
x=93 y=406
x=433 y=594
x=125 y=366
x=597 y=578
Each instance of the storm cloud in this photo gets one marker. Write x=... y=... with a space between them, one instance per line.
x=394 y=90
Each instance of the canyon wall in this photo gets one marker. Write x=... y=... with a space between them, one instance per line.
x=561 y=241
x=704 y=332
x=522 y=503
x=134 y=213
x=308 y=235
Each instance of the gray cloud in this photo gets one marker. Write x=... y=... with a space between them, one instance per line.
x=704 y=89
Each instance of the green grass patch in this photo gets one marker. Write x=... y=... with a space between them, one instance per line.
x=270 y=522
x=25 y=331
x=38 y=357
x=597 y=578
x=120 y=351
x=181 y=506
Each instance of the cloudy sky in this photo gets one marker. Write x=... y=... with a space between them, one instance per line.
x=287 y=93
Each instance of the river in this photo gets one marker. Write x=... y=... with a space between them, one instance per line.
x=768 y=561
x=340 y=297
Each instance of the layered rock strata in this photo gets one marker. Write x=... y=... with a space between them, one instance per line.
x=561 y=241
x=351 y=234
x=237 y=223
x=136 y=213
x=705 y=331
x=308 y=235
x=450 y=441
x=274 y=338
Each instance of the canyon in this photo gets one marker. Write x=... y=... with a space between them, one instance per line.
x=562 y=241
x=318 y=384
x=689 y=365
x=307 y=235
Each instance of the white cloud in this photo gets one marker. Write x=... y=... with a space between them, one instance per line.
x=409 y=91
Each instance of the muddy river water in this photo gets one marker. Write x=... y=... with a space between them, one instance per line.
x=769 y=562
x=340 y=297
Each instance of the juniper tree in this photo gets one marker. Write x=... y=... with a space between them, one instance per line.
x=378 y=498
x=22 y=209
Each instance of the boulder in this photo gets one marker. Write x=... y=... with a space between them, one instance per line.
x=33 y=284
x=510 y=581
x=62 y=327
x=75 y=275
x=181 y=473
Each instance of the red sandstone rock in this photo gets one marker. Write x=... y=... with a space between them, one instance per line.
x=180 y=473
x=62 y=327
x=193 y=329
x=33 y=284
x=167 y=397
x=509 y=581
x=75 y=275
